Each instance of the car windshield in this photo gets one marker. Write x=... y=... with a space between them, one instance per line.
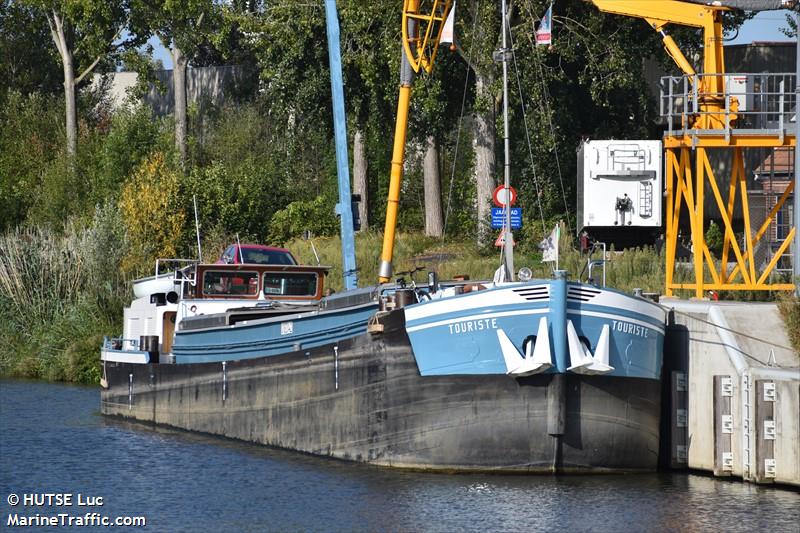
x=267 y=257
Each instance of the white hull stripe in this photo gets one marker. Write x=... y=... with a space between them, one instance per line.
x=476 y=317
x=618 y=318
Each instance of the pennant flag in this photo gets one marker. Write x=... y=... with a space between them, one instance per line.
x=447 y=31
x=549 y=246
x=544 y=35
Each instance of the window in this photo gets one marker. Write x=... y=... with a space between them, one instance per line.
x=267 y=257
x=227 y=257
x=233 y=284
x=290 y=284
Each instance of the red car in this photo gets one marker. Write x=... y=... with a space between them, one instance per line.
x=256 y=254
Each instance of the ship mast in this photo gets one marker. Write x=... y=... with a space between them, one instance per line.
x=508 y=237
x=343 y=208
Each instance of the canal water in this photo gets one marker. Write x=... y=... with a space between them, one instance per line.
x=53 y=440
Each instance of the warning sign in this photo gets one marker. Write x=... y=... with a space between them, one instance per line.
x=501 y=240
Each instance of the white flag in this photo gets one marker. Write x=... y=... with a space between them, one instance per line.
x=544 y=35
x=549 y=246
x=447 y=31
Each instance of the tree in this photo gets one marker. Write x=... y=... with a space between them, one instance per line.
x=360 y=177
x=84 y=33
x=434 y=224
x=182 y=27
x=25 y=65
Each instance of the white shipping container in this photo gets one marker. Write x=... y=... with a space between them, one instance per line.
x=620 y=184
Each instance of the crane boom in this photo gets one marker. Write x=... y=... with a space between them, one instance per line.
x=423 y=22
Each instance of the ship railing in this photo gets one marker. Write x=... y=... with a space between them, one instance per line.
x=747 y=104
x=182 y=271
x=120 y=343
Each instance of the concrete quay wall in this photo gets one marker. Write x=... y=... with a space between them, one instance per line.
x=734 y=391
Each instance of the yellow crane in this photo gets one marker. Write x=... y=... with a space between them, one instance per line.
x=423 y=22
x=708 y=121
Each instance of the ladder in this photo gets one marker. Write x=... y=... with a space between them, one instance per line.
x=645 y=199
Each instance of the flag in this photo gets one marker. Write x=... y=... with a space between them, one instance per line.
x=549 y=246
x=544 y=35
x=447 y=31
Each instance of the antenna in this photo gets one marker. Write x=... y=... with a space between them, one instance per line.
x=307 y=236
x=239 y=247
x=197 y=229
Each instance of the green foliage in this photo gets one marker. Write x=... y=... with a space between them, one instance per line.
x=133 y=135
x=635 y=268
x=25 y=65
x=60 y=291
x=31 y=137
x=315 y=216
x=714 y=238
x=789 y=308
x=239 y=199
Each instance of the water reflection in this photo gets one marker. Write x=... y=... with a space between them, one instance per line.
x=52 y=439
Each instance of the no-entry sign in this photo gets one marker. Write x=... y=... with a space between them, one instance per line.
x=499 y=196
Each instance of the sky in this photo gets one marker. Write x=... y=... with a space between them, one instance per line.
x=763 y=27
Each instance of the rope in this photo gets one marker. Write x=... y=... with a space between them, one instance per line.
x=739 y=333
x=548 y=112
x=458 y=134
x=527 y=132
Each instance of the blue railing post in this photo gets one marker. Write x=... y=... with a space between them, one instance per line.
x=344 y=207
x=558 y=318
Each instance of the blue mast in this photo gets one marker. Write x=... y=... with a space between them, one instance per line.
x=343 y=208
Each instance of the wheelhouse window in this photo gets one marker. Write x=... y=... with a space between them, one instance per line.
x=267 y=257
x=230 y=284
x=290 y=284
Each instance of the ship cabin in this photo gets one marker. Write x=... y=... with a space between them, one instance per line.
x=258 y=282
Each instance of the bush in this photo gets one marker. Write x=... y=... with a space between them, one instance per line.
x=789 y=308
x=154 y=217
x=31 y=137
x=239 y=199
x=133 y=135
x=316 y=216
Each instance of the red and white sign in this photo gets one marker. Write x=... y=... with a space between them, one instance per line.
x=499 y=196
x=501 y=240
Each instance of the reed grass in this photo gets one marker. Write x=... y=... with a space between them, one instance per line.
x=60 y=291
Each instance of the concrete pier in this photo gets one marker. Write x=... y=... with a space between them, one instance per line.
x=734 y=391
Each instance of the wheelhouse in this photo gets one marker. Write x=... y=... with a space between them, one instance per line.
x=258 y=282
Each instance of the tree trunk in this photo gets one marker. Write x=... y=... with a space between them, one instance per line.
x=484 y=148
x=360 y=185
x=179 y=86
x=434 y=226
x=70 y=106
x=58 y=34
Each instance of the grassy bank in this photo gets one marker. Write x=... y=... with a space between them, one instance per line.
x=636 y=268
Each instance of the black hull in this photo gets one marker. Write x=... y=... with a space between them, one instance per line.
x=384 y=413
